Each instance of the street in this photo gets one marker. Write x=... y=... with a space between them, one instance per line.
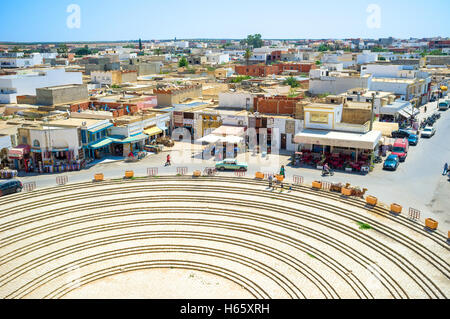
x=418 y=182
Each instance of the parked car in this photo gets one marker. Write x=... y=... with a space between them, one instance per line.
x=428 y=131
x=10 y=186
x=391 y=162
x=443 y=106
x=413 y=139
x=231 y=164
x=400 y=148
x=402 y=133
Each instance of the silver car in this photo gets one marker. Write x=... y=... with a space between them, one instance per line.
x=428 y=131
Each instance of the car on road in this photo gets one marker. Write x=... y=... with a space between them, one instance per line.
x=413 y=139
x=400 y=148
x=443 y=106
x=428 y=131
x=10 y=186
x=402 y=133
x=231 y=164
x=391 y=163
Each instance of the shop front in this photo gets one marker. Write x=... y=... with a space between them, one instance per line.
x=153 y=133
x=123 y=146
x=56 y=160
x=341 y=150
x=20 y=157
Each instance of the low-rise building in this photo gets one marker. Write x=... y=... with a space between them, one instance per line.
x=62 y=94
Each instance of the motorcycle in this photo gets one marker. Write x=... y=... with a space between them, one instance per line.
x=377 y=160
x=326 y=173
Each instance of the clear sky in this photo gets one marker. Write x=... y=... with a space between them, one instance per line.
x=109 y=20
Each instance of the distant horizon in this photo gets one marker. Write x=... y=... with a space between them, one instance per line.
x=75 y=21
x=205 y=39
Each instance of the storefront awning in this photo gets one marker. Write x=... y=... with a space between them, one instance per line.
x=229 y=130
x=131 y=139
x=153 y=131
x=366 y=141
x=100 y=143
x=100 y=128
x=18 y=152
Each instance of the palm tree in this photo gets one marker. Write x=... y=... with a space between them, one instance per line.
x=247 y=55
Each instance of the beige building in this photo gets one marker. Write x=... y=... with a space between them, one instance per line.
x=113 y=77
x=171 y=96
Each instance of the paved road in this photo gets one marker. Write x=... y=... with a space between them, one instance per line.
x=418 y=183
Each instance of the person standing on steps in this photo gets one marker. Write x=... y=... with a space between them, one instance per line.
x=270 y=178
x=282 y=171
x=445 y=169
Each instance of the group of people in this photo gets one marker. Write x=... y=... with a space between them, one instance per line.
x=272 y=183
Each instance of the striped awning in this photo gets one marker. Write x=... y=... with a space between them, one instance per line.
x=18 y=152
x=153 y=131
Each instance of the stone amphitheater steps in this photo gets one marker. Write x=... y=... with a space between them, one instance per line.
x=301 y=244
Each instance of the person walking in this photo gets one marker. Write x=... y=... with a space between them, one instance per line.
x=270 y=178
x=168 y=160
x=445 y=169
x=282 y=171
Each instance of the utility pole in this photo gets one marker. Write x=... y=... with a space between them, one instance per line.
x=371 y=113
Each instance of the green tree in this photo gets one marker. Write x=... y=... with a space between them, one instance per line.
x=247 y=55
x=318 y=62
x=157 y=51
x=324 y=47
x=62 y=49
x=83 y=51
x=291 y=81
x=140 y=44
x=183 y=62
x=254 y=40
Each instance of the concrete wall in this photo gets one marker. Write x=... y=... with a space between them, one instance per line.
x=60 y=95
x=337 y=85
x=236 y=100
x=59 y=138
x=27 y=84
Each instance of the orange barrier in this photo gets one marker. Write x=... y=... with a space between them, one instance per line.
x=431 y=223
x=99 y=177
x=346 y=191
x=317 y=185
x=371 y=200
x=129 y=174
x=197 y=174
x=280 y=178
x=396 y=208
x=259 y=175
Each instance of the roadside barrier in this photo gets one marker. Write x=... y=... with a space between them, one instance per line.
x=326 y=185
x=29 y=187
x=431 y=223
x=259 y=175
x=182 y=170
x=62 y=180
x=414 y=213
x=152 y=171
x=239 y=173
x=298 y=179
x=99 y=177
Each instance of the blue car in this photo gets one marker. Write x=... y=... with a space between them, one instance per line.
x=391 y=163
x=413 y=139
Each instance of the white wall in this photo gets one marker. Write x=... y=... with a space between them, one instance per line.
x=5 y=142
x=59 y=138
x=26 y=84
x=235 y=100
x=337 y=85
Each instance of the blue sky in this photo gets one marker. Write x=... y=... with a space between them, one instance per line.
x=108 y=20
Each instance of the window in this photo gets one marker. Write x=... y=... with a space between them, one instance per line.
x=36 y=143
x=24 y=140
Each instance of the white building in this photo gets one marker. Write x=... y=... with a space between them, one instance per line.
x=322 y=81
x=366 y=57
x=21 y=61
x=26 y=84
x=236 y=100
x=389 y=71
x=217 y=58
